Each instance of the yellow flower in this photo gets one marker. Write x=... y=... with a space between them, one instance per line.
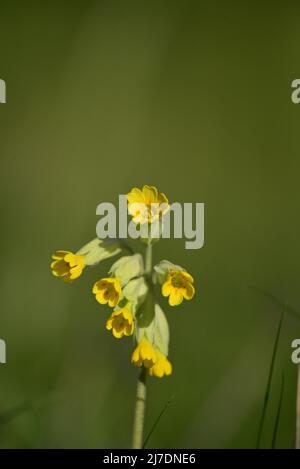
x=162 y=367
x=144 y=354
x=120 y=323
x=108 y=290
x=144 y=205
x=179 y=285
x=67 y=265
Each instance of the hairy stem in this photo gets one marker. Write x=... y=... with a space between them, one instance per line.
x=139 y=416
x=140 y=403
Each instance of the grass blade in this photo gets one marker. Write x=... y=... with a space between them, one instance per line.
x=267 y=393
x=298 y=412
x=278 y=414
x=7 y=415
x=283 y=305
x=157 y=421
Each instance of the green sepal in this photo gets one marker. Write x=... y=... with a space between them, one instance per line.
x=163 y=268
x=136 y=292
x=161 y=330
x=98 y=250
x=127 y=267
x=145 y=320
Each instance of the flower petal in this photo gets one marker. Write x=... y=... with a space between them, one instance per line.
x=166 y=289
x=188 y=292
x=175 y=297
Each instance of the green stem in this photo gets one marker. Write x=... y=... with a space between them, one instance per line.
x=148 y=259
x=139 y=416
x=140 y=403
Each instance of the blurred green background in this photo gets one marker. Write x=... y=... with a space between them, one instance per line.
x=193 y=97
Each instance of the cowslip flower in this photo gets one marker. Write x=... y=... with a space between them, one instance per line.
x=179 y=285
x=120 y=323
x=108 y=290
x=67 y=265
x=129 y=289
x=144 y=354
x=70 y=266
x=147 y=204
x=162 y=367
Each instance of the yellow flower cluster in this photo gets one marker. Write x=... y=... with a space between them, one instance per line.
x=126 y=288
